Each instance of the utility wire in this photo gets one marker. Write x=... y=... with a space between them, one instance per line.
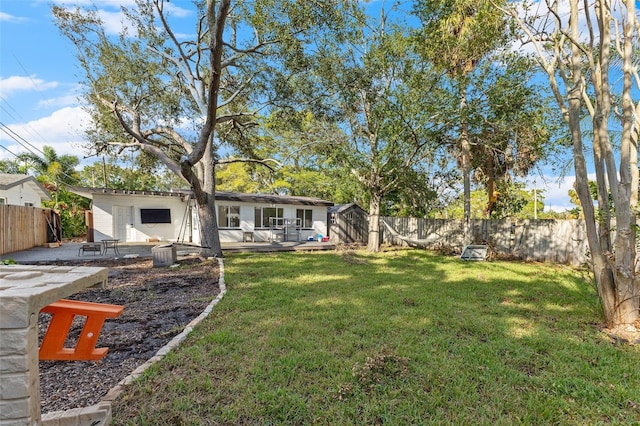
x=4 y=126
x=9 y=151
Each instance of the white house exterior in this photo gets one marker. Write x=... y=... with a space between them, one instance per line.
x=143 y=216
x=21 y=190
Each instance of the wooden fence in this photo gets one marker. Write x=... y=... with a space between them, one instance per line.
x=557 y=241
x=22 y=228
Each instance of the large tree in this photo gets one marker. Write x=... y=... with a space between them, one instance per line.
x=372 y=85
x=181 y=99
x=588 y=52
x=50 y=168
x=510 y=126
x=456 y=35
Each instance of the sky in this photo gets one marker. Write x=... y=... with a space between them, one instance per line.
x=39 y=88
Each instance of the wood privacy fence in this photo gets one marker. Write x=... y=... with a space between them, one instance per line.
x=22 y=228
x=557 y=241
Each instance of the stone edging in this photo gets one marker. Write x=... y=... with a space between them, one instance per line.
x=100 y=413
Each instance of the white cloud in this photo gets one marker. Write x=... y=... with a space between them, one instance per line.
x=109 y=11
x=63 y=130
x=10 y=85
x=5 y=17
x=556 y=190
x=60 y=101
x=113 y=21
x=556 y=193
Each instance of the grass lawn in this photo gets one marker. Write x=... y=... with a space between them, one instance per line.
x=400 y=337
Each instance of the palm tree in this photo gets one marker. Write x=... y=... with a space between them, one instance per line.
x=52 y=169
x=456 y=36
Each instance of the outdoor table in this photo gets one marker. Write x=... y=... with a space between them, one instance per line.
x=111 y=244
x=24 y=291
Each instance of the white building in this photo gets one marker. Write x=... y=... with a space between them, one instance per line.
x=145 y=216
x=21 y=190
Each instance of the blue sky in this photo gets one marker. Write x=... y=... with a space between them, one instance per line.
x=39 y=86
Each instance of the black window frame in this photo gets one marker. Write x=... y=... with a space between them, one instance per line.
x=301 y=215
x=229 y=217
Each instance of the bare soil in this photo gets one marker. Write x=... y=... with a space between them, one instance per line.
x=158 y=304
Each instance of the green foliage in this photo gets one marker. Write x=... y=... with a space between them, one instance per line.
x=152 y=177
x=13 y=167
x=513 y=201
x=498 y=124
x=72 y=209
x=365 y=91
x=183 y=99
x=509 y=121
x=50 y=168
x=457 y=34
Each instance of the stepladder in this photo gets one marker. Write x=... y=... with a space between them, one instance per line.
x=63 y=312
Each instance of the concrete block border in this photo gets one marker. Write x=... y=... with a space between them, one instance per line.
x=100 y=413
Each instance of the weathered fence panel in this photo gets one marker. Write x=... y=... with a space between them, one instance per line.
x=556 y=241
x=22 y=228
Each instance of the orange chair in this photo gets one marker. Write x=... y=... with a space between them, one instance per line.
x=63 y=312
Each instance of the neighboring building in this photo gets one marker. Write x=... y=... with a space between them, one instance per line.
x=141 y=216
x=21 y=190
x=348 y=223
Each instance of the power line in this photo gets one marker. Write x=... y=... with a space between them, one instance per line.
x=7 y=149
x=4 y=126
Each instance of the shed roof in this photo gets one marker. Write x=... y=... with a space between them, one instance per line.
x=8 y=181
x=220 y=196
x=341 y=208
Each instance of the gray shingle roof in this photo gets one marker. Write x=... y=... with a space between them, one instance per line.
x=220 y=196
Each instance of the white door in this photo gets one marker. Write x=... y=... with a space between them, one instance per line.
x=122 y=223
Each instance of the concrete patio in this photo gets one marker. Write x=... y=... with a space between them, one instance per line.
x=70 y=250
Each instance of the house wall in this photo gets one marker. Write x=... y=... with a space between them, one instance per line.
x=20 y=195
x=109 y=210
x=118 y=216
x=247 y=222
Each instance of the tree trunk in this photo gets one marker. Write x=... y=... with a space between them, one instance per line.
x=205 y=199
x=373 y=245
x=628 y=288
x=465 y=152
x=603 y=273
x=210 y=238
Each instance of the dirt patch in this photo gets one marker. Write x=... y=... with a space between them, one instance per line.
x=159 y=303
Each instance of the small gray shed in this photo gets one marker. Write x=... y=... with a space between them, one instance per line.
x=348 y=223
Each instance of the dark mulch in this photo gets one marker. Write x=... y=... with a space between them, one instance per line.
x=159 y=303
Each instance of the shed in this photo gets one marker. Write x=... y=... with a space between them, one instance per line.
x=348 y=223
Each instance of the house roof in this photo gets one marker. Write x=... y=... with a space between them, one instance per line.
x=220 y=196
x=8 y=181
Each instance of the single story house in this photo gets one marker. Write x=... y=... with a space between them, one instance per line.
x=172 y=216
x=22 y=190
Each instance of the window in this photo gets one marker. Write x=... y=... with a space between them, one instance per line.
x=263 y=214
x=155 y=215
x=28 y=204
x=305 y=217
x=229 y=216
x=3 y=200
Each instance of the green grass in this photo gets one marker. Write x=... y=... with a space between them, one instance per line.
x=401 y=337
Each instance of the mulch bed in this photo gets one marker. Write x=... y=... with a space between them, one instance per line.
x=159 y=303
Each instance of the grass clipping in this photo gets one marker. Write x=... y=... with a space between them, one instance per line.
x=382 y=369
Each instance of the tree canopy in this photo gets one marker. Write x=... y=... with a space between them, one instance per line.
x=181 y=100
